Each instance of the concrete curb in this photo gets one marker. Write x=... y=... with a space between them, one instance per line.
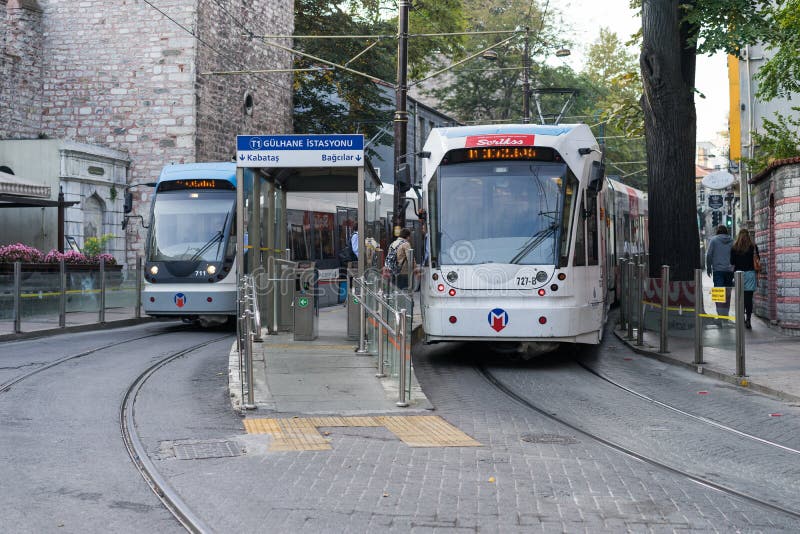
x=33 y=334
x=701 y=369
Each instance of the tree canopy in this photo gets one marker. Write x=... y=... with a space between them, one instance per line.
x=328 y=98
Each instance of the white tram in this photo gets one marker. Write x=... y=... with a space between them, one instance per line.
x=524 y=231
x=190 y=262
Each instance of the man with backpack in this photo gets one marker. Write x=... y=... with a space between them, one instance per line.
x=396 y=264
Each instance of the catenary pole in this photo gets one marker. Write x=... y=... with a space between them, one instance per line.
x=400 y=115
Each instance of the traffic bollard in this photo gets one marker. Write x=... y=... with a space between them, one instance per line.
x=664 y=308
x=738 y=282
x=698 y=320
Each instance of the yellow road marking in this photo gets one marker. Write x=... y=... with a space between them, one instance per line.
x=301 y=434
x=300 y=346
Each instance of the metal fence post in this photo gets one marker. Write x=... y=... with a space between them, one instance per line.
x=698 y=320
x=17 y=297
x=640 y=306
x=102 y=314
x=621 y=292
x=138 y=312
x=381 y=364
x=402 y=403
x=62 y=294
x=362 y=320
x=664 y=308
x=632 y=293
x=738 y=282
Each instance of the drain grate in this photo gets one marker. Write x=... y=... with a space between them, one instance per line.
x=204 y=449
x=548 y=439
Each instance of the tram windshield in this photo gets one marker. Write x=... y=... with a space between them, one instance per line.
x=499 y=212
x=191 y=225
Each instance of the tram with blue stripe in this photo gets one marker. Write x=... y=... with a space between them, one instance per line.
x=190 y=254
x=524 y=233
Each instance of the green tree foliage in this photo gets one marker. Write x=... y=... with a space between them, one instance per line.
x=613 y=72
x=781 y=74
x=327 y=99
x=484 y=91
x=781 y=139
x=330 y=99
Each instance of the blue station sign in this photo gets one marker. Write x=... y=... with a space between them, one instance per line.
x=335 y=150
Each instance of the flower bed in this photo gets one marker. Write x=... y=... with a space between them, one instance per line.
x=30 y=255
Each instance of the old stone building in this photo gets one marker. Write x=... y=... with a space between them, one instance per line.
x=776 y=193
x=141 y=78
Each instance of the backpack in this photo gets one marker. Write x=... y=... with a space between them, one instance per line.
x=347 y=255
x=391 y=262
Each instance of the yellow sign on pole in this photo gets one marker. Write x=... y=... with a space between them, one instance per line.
x=718 y=294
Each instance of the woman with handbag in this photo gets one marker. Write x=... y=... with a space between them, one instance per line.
x=744 y=257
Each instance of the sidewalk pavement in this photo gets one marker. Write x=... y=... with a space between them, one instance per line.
x=324 y=376
x=772 y=359
x=46 y=325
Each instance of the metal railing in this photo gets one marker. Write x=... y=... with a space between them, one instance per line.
x=248 y=330
x=385 y=325
x=37 y=293
x=645 y=304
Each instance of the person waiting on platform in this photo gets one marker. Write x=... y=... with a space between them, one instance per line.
x=396 y=264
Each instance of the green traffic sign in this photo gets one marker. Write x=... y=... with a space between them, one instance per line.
x=302 y=302
x=355 y=300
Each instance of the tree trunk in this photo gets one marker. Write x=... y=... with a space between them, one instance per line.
x=667 y=62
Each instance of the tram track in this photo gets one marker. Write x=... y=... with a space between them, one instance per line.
x=704 y=481
x=5 y=387
x=138 y=452
x=700 y=418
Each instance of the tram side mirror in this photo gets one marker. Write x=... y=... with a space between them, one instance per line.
x=596 y=176
x=127 y=205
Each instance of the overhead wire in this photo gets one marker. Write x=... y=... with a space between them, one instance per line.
x=209 y=46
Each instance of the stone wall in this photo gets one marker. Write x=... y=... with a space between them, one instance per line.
x=21 y=52
x=121 y=74
x=777 y=230
x=241 y=104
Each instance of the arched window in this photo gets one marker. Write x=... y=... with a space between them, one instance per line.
x=93 y=217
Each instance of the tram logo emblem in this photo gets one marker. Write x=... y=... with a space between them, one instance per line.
x=180 y=300
x=498 y=319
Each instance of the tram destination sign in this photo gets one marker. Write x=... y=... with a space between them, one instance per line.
x=334 y=150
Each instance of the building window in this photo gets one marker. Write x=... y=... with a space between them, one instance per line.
x=249 y=103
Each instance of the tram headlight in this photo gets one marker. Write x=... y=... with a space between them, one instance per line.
x=154 y=270
x=211 y=269
x=541 y=276
x=452 y=276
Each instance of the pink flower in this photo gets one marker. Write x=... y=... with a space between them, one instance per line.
x=20 y=252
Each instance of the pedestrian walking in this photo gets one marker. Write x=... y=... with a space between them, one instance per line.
x=718 y=265
x=718 y=258
x=744 y=257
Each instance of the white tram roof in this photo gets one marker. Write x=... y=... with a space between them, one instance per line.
x=565 y=138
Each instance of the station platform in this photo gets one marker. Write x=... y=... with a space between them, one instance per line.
x=772 y=359
x=324 y=376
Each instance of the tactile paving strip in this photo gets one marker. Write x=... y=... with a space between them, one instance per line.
x=301 y=434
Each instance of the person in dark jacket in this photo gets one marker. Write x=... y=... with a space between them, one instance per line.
x=718 y=258
x=741 y=257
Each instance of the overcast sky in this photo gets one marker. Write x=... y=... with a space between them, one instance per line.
x=588 y=16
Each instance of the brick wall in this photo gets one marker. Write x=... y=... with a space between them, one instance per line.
x=778 y=239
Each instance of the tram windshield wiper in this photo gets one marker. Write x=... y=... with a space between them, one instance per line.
x=534 y=241
x=215 y=238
